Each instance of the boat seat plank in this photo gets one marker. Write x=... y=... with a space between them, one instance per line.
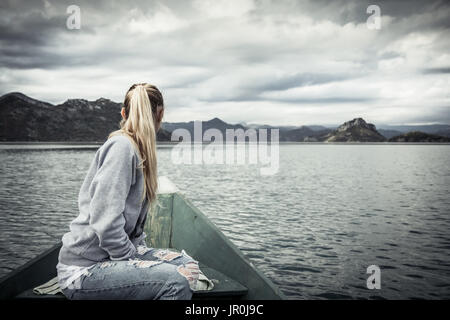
x=224 y=288
x=29 y=294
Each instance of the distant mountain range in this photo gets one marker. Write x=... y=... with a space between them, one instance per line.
x=27 y=119
x=436 y=129
x=215 y=123
x=417 y=136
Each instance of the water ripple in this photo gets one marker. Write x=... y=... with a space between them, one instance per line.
x=313 y=228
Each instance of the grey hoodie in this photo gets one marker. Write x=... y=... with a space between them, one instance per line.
x=111 y=214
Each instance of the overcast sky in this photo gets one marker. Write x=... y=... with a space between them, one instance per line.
x=274 y=62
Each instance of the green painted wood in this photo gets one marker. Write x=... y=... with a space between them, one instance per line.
x=158 y=225
x=195 y=233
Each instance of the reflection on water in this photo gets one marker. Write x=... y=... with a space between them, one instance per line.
x=313 y=228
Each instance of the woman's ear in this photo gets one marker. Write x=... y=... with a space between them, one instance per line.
x=160 y=113
x=122 y=112
x=158 y=117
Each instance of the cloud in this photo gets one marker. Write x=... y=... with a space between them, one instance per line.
x=277 y=62
x=436 y=70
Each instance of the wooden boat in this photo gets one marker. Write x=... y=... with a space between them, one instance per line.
x=178 y=224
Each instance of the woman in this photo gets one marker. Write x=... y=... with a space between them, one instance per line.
x=104 y=255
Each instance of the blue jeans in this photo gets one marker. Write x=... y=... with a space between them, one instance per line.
x=155 y=274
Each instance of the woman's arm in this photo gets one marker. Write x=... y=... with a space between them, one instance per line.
x=109 y=191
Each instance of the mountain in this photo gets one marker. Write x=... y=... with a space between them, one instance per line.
x=28 y=119
x=319 y=128
x=389 y=133
x=298 y=134
x=214 y=123
x=356 y=130
x=304 y=134
x=286 y=134
x=445 y=132
x=417 y=136
x=266 y=126
x=438 y=129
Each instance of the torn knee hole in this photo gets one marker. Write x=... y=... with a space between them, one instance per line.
x=190 y=271
x=185 y=273
x=192 y=267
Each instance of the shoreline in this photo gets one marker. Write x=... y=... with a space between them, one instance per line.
x=92 y=144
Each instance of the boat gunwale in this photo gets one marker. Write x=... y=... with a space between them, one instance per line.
x=8 y=280
x=276 y=290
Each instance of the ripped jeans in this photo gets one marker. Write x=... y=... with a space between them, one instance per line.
x=154 y=274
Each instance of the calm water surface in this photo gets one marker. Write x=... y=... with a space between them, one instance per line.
x=313 y=228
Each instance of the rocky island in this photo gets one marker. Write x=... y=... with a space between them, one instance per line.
x=417 y=136
x=356 y=130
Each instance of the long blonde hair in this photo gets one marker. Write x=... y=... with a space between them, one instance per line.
x=141 y=103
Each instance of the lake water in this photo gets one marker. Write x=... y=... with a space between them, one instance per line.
x=313 y=228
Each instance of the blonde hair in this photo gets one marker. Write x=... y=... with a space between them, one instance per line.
x=141 y=103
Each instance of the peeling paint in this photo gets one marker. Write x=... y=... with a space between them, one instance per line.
x=191 y=272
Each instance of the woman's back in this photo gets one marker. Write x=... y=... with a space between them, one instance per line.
x=111 y=211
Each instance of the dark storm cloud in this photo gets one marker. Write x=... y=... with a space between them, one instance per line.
x=301 y=80
x=326 y=101
x=26 y=33
x=222 y=56
x=251 y=91
x=299 y=101
x=344 y=11
x=440 y=112
x=29 y=27
x=436 y=70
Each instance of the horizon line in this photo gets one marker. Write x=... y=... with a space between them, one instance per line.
x=327 y=125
